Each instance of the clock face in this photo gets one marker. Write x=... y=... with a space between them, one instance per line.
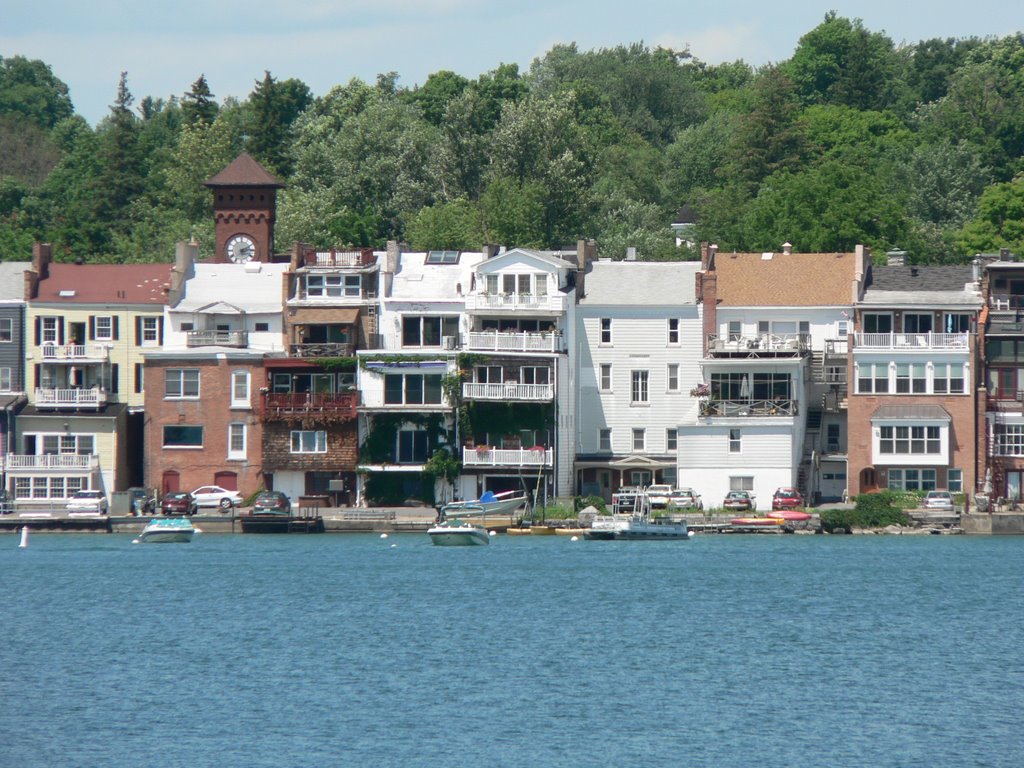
x=241 y=248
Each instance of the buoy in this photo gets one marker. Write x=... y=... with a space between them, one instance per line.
x=394 y=546
x=383 y=535
x=492 y=533
x=575 y=538
x=24 y=537
x=197 y=529
x=690 y=534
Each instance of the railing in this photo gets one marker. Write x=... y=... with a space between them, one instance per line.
x=501 y=341
x=16 y=461
x=337 y=405
x=341 y=297
x=322 y=349
x=395 y=342
x=772 y=342
x=216 y=339
x=911 y=340
x=483 y=456
x=70 y=398
x=749 y=408
x=334 y=258
x=515 y=301
x=75 y=352
x=508 y=391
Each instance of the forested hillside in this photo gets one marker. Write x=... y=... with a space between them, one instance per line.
x=854 y=139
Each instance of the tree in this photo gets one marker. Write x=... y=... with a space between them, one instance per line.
x=274 y=108
x=436 y=94
x=29 y=91
x=453 y=225
x=198 y=105
x=999 y=222
x=514 y=213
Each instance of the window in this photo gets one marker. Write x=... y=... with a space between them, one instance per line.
x=6 y=330
x=5 y=379
x=912 y=479
x=673 y=377
x=534 y=375
x=832 y=438
x=412 y=446
x=442 y=257
x=948 y=379
x=140 y=373
x=956 y=322
x=606 y=377
x=639 y=439
x=181 y=383
x=182 y=436
x=489 y=374
x=236 y=440
x=743 y=483
x=412 y=389
x=729 y=386
x=955 y=480
x=47 y=487
x=910 y=378
x=606 y=330
x=917 y=323
x=309 y=441
x=673 y=330
x=239 y=389
x=735 y=442
x=639 y=390
x=103 y=328
x=909 y=440
x=671 y=439
x=49 y=330
x=875 y=323
x=261 y=327
x=491 y=285
x=604 y=440
x=150 y=330
x=62 y=444
x=187 y=326
x=872 y=377
x=325 y=286
x=735 y=330
x=843 y=329
x=428 y=331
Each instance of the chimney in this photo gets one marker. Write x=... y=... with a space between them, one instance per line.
x=490 y=250
x=185 y=255
x=586 y=250
x=42 y=256
x=707 y=257
x=787 y=247
x=1004 y=254
x=631 y=253
x=895 y=258
x=298 y=256
x=392 y=257
x=708 y=287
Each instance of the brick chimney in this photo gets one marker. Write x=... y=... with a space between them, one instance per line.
x=42 y=255
x=586 y=252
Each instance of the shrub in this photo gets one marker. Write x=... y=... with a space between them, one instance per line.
x=582 y=502
x=872 y=510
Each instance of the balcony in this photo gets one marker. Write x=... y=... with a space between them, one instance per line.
x=749 y=408
x=69 y=399
x=75 y=353
x=331 y=406
x=759 y=346
x=322 y=349
x=495 y=341
x=911 y=341
x=334 y=259
x=217 y=339
x=19 y=462
x=508 y=390
x=484 y=456
x=515 y=302
x=394 y=342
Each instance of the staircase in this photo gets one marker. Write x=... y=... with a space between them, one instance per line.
x=811 y=441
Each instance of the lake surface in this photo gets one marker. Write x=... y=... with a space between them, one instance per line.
x=356 y=650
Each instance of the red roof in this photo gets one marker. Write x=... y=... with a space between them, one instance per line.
x=244 y=171
x=106 y=284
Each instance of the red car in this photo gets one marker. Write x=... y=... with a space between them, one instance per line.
x=787 y=498
x=178 y=504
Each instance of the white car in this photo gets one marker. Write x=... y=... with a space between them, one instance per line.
x=215 y=496
x=939 y=500
x=658 y=495
x=87 y=503
x=686 y=498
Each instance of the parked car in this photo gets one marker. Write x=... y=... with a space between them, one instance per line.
x=685 y=498
x=272 y=503
x=215 y=496
x=941 y=500
x=178 y=503
x=658 y=495
x=738 y=501
x=87 y=503
x=787 y=498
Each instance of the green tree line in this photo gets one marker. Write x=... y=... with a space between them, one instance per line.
x=853 y=139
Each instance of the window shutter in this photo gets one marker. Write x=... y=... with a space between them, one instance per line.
x=138 y=377
x=35 y=374
x=114 y=335
x=160 y=331
x=92 y=328
x=60 y=331
x=39 y=330
x=113 y=379
x=138 y=332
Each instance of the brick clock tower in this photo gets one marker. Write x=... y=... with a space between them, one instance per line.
x=244 y=205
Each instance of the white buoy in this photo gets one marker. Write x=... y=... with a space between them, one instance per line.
x=394 y=546
x=575 y=538
x=24 y=537
x=383 y=535
x=492 y=533
x=690 y=533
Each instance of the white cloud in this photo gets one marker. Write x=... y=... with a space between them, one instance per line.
x=716 y=45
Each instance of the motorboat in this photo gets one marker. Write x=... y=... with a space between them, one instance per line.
x=488 y=504
x=635 y=525
x=458 y=533
x=164 y=530
x=790 y=515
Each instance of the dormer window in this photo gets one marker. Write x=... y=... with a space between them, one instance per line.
x=442 y=257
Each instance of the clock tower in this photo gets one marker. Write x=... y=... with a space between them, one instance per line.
x=244 y=205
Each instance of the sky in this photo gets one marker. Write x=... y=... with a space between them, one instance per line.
x=165 y=46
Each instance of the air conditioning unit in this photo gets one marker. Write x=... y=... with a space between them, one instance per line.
x=1020 y=395
x=450 y=342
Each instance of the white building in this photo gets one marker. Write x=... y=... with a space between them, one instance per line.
x=638 y=354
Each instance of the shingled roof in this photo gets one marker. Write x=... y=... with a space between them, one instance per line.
x=244 y=171
x=927 y=277
x=785 y=279
x=105 y=284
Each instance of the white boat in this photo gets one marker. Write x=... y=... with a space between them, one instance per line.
x=167 y=530
x=636 y=524
x=458 y=533
x=489 y=504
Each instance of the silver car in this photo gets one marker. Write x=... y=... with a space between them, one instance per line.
x=940 y=500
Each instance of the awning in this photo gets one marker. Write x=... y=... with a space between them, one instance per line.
x=911 y=413
x=633 y=461
x=323 y=315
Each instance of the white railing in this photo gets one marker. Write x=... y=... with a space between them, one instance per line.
x=483 y=456
x=216 y=338
x=75 y=352
x=515 y=301
x=911 y=340
x=495 y=341
x=70 y=398
x=508 y=391
x=16 y=461
x=395 y=342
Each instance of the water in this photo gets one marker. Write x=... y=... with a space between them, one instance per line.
x=356 y=650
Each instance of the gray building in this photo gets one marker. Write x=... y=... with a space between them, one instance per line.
x=12 y=348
